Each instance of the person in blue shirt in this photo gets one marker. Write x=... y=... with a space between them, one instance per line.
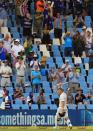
x=3 y=51
x=68 y=41
x=36 y=79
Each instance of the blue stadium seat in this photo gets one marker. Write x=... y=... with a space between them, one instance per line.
x=89 y=106
x=43 y=107
x=25 y=106
x=53 y=107
x=16 y=106
x=81 y=106
x=72 y=106
x=34 y=107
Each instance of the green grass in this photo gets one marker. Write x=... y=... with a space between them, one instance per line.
x=45 y=129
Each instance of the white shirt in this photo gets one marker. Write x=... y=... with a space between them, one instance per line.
x=20 y=69
x=63 y=98
x=66 y=67
x=88 y=42
x=34 y=63
x=5 y=71
x=16 y=49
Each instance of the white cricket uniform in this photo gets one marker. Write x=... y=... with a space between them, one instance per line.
x=62 y=98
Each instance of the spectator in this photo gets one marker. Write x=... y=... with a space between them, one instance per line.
x=41 y=98
x=58 y=27
x=60 y=76
x=52 y=75
x=27 y=25
x=38 y=23
x=78 y=44
x=8 y=45
x=18 y=93
x=78 y=21
x=36 y=79
x=88 y=41
x=46 y=36
x=20 y=69
x=28 y=45
x=30 y=56
x=80 y=97
x=84 y=32
x=4 y=91
x=40 y=5
x=3 y=17
x=30 y=99
x=7 y=101
x=3 y=52
x=16 y=48
x=34 y=62
x=66 y=67
x=5 y=72
x=68 y=44
x=73 y=78
x=70 y=98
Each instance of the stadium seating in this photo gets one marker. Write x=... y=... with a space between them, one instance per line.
x=55 y=59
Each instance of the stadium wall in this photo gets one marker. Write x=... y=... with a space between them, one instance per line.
x=43 y=117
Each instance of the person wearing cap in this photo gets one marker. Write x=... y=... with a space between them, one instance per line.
x=3 y=52
x=34 y=62
x=16 y=48
x=5 y=72
x=36 y=79
x=68 y=43
x=62 y=111
x=20 y=72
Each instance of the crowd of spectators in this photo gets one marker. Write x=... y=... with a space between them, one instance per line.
x=40 y=18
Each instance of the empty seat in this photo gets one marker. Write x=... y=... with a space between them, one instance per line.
x=89 y=106
x=34 y=107
x=25 y=106
x=53 y=107
x=43 y=107
x=81 y=107
x=72 y=106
